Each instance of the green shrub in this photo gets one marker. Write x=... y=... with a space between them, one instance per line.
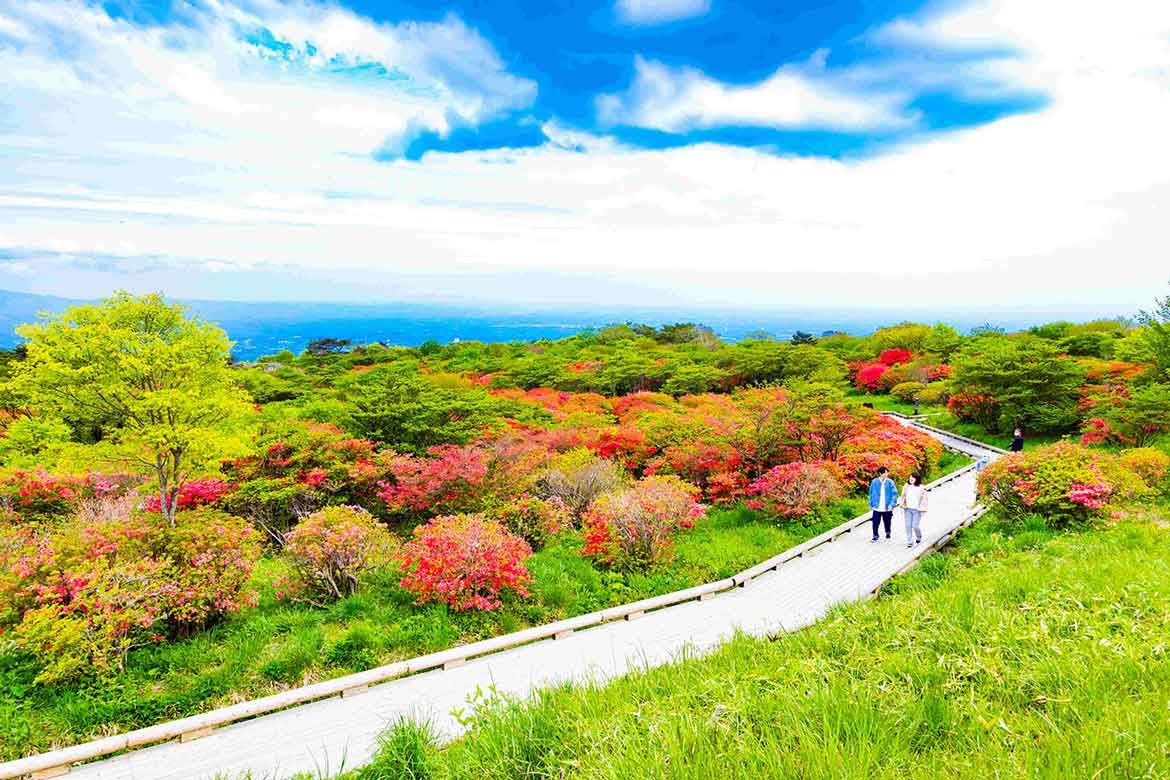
x=906 y=391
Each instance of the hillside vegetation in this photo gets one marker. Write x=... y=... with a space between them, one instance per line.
x=179 y=532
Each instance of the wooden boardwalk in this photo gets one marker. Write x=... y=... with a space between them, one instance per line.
x=329 y=735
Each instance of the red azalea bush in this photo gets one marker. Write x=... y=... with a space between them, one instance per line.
x=193 y=494
x=894 y=357
x=1064 y=483
x=795 y=489
x=974 y=407
x=81 y=596
x=329 y=551
x=633 y=528
x=452 y=480
x=884 y=436
x=465 y=562
x=868 y=375
x=535 y=520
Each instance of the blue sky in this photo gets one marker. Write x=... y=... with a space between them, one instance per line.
x=705 y=151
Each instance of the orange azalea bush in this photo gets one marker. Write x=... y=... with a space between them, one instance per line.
x=633 y=528
x=465 y=562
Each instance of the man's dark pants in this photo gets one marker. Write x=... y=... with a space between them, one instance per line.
x=882 y=517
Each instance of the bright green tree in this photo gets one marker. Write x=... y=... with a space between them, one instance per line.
x=1033 y=384
x=398 y=406
x=153 y=382
x=1156 y=336
x=943 y=340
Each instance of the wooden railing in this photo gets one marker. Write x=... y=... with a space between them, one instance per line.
x=57 y=762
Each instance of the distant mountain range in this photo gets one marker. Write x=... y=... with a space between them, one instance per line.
x=268 y=327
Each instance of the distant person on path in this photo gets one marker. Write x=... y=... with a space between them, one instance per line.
x=883 y=495
x=916 y=405
x=1017 y=440
x=914 y=502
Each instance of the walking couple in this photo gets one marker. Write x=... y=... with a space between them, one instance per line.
x=884 y=496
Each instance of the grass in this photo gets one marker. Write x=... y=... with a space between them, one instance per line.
x=1021 y=654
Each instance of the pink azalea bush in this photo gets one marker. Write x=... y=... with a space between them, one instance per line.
x=465 y=562
x=795 y=489
x=1064 y=483
x=79 y=597
x=633 y=528
x=329 y=551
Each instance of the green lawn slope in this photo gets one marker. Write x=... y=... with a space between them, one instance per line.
x=1020 y=653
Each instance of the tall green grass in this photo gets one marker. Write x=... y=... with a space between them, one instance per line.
x=1022 y=654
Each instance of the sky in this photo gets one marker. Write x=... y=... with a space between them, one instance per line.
x=666 y=152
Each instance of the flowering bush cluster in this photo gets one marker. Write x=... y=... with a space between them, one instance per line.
x=80 y=596
x=796 y=489
x=329 y=551
x=633 y=528
x=465 y=562
x=39 y=497
x=1063 y=482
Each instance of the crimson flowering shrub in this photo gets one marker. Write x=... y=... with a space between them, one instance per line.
x=193 y=494
x=624 y=443
x=329 y=551
x=1064 y=483
x=796 y=489
x=453 y=480
x=81 y=596
x=633 y=528
x=884 y=436
x=535 y=520
x=867 y=376
x=974 y=407
x=714 y=466
x=464 y=561
x=894 y=357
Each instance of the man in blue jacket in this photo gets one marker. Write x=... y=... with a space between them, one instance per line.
x=883 y=494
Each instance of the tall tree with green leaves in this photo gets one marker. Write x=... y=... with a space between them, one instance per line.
x=1030 y=382
x=1156 y=336
x=153 y=381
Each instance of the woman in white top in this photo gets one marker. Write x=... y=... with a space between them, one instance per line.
x=913 y=501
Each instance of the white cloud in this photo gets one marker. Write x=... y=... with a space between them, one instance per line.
x=659 y=11
x=678 y=100
x=1062 y=205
